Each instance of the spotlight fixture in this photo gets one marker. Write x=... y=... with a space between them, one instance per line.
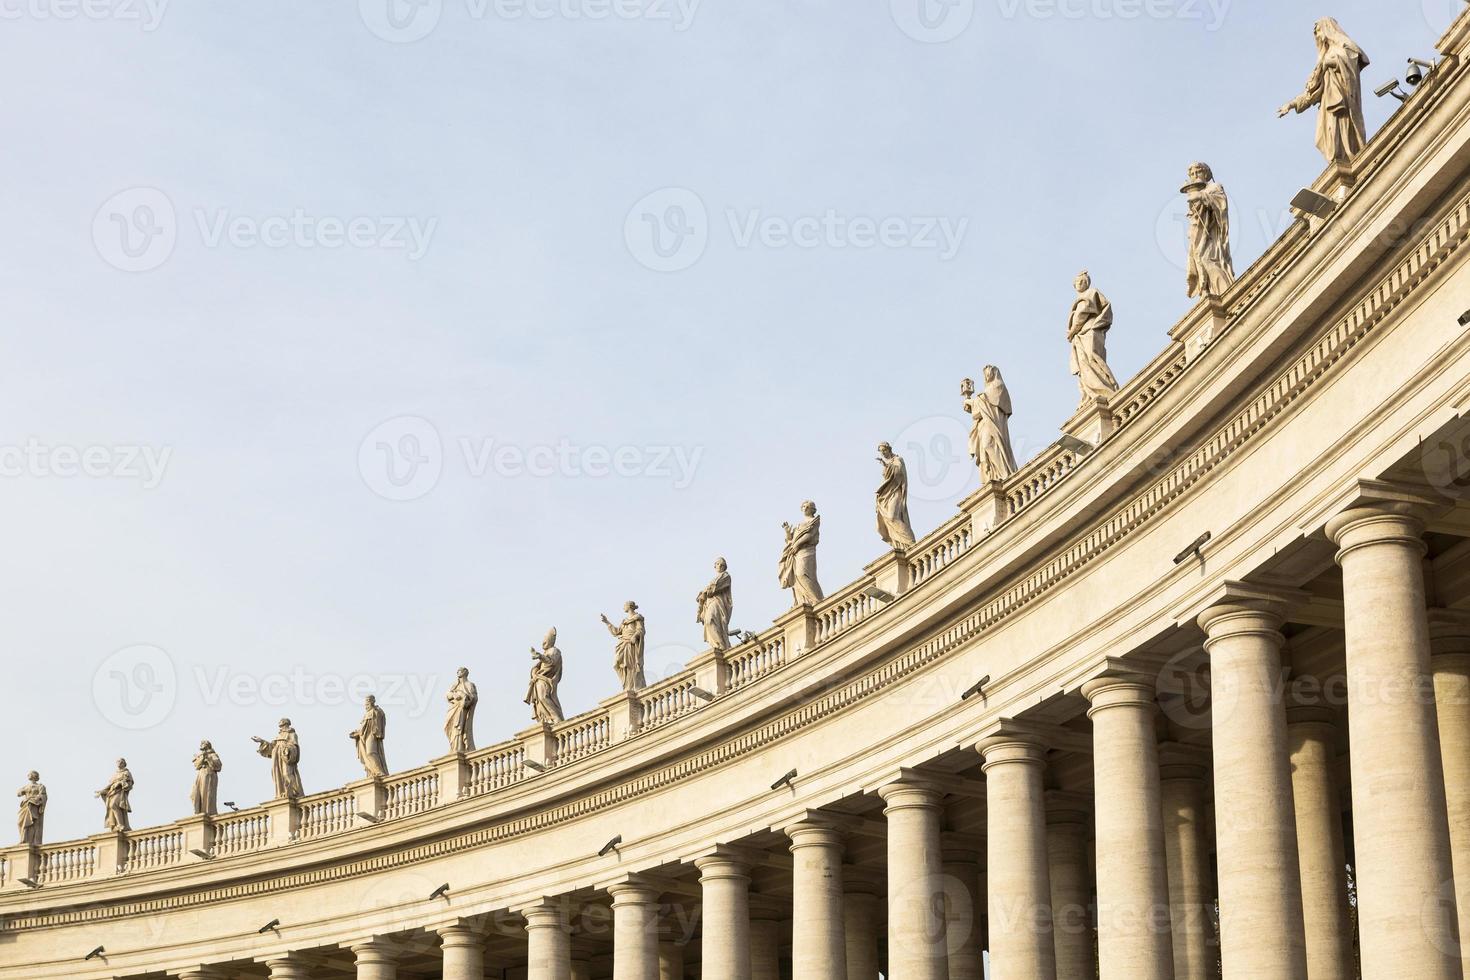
x=29 y=882
x=976 y=688
x=233 y=807
x=1465 y=319
x=701 y=693
x=269 y=927
x=882 y=595
x=200 y=853
x=533 y=764
x=1310 y=202
x=1195 y=549
x=441 y=890
x=785 y=780
x=1391 y=87
x=744 y=636
x=611 y=845
x=1418 y=71
x=1074 y=445
x=369 y=817
x=93 y=955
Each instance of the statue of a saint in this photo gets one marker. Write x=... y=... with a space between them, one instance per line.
x=32 y=817
x=990 y=433
x=1087 y=331
x=1336 y=84
x=893 y=500
x=628 y=661
x=545 y=679
x=369 y=736
x=714 y=604
x=1211 y=270
x=205 y=794
x=285 y=753
x=459 y=723
x=114 y=797
x=798 y=569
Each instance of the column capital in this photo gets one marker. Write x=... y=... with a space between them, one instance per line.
x=549 y=913
x=375 y=952
x=1449 y=637
x=1064 y=808
x=288 y=966
x=911 y=792
x=814 y=830
x=1387 y=522
x=1180 y=761
x=723 y=865
x=1121 y=690
x=998 y=750
x=203 y=972
x=633 y=890
x=1310 y=717
x=461 y=933
x=1243 y=618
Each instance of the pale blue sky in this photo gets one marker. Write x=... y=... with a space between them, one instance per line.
x=1047 y=135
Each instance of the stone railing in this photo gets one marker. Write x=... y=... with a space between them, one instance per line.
x=155 y=849
x=751 y=661
x=327 y=813
x=242 y=832
x=66 y=862
x=937 y=550
x=583 y=735
x=670 y=698
x=841 y=612
x=410 y=793
x=496 y=766
x=1038 y=476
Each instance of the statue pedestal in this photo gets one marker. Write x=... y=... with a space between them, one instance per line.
x=711 y=672
x=891 y=572
x=987 y=508
x=370 y=799
x=198 y=837
x=539 y=744
x=285 y=821
x=1093 y=422
x=112 y=853
x=22 y=864
x=799 y=629
x=454 y=776
x=624 y=713
x=1205 y=324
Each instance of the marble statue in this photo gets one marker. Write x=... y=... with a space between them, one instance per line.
x=32 y=817
x=114 y=797
x=1087 y=332
x=893 y=500
x=545 y=679
x=798 y=570
x=205 y=794
x=285 y=753
x=1211 y=270
x=990 y=433
x=459 y=723
x=714 y=604
x=628 y=661
x=1336 y=84
x=369 y=736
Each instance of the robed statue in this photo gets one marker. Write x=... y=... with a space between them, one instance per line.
x=1336 y=84
x=114 y=797
x=369 y=736
x=546 y=670
x=459 y=721
x=714 y=604
x=798 y=568
x=628 y=658
x=990 y=429
x=204 y=796
x=284 y=751
x=893 y=500
x=1087 y=332
x=32 y=817
x=1211 y=270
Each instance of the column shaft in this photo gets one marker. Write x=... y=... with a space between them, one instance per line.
x=862 y=917
x=1071 y=915
x=818 y=947
x=635 y=931
x=670 y=960
x=1019 y=892
x=962 y=915
x=548 y=944
x=375 y=961
x=725 y=889
x=1187 y=856
x=765 y=948
x=1328 y=929
x=916 y=927
x=1450 y=642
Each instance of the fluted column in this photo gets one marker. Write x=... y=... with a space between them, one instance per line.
x=1328 y=930
x=1261 y=935
x=376 y=960
x=1183 y=786
x=1449 y=642
x=862 y=919
x=1134 y=942
x=1019 y=893
x=635 y=931
x=548 y=944
x=818 y=947
x=962 y=913
x=1407 y=923
x=1067 y=820
x=725 y=888
x=916 y=932
x=765 y=945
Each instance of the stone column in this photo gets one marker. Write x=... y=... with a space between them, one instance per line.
x=1449 y=643
x=670 y=960
x=1261 y=934
x=725 y=948
x=818 y=947
x=1019 y=892
x=1407 y=924
x=1313 y=739
x=285 y=967
x=581 y=967
x=916 y=928
x=862 y=918
x=203 y=972
x=1133 y=937
x=635 y=931
x=765 y=945
x=548 y=943
x=376 y=960
x=962 y=913
x=1067 y=866
x=1183 y=786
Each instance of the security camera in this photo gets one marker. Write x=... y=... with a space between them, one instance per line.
x=1391 y=87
